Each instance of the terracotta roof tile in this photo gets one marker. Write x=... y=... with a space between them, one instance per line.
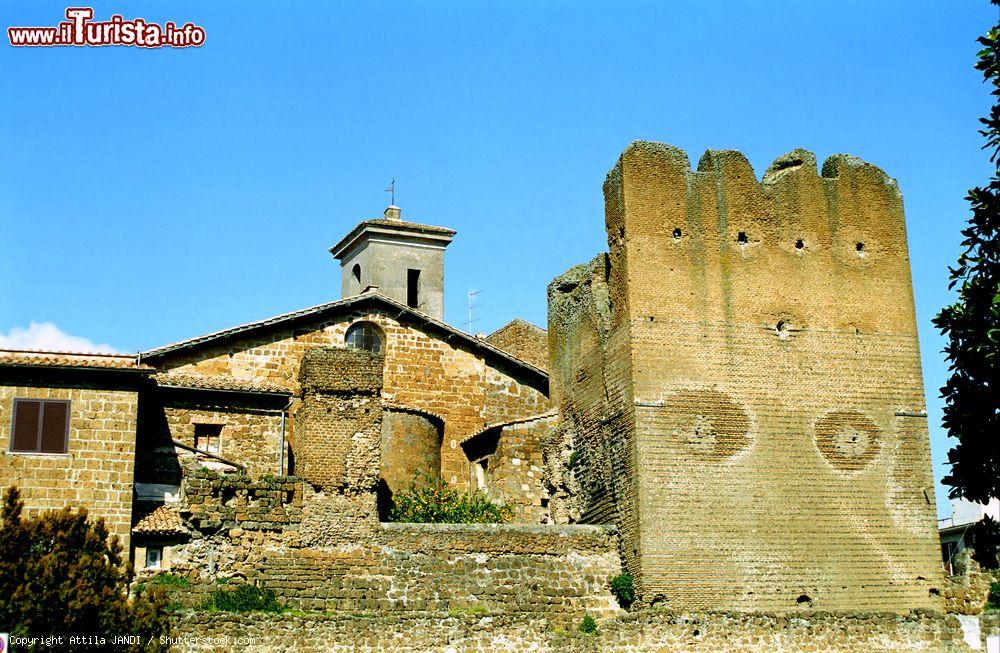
x=218 y=383
x=70 y=359
x=162 y=521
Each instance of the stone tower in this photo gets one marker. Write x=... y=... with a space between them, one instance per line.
x=741 y=378
x=401 y=260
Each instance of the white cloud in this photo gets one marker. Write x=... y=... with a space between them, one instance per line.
x=49 y=337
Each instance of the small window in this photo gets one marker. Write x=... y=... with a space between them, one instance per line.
x=364 y=335
x=413 y=288
x=208 y=437
x=40 y=426
x=356 y=271
x=154 y=557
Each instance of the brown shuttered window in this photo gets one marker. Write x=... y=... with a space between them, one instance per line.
x=40 y=426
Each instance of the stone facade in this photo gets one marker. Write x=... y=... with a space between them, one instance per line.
x=96 y=472
x=742 y=380
x=524 y=340
x=422 y=371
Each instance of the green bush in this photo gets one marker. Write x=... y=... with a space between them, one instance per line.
x=61 y=573
x=588 y=626
x=245 y=598
x=170 y=580
x=623 y=587
x=435 y=502
x=993 y=599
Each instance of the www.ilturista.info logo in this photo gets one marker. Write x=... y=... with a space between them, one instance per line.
x=80 y=29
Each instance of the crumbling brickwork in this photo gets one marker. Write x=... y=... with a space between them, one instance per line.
x=763 y=394
x=339 y=424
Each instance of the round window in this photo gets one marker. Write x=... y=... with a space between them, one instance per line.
x=364 y=335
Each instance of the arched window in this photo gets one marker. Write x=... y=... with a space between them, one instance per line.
x=356 y=271
x=364 y=335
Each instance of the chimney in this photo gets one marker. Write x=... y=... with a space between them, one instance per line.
x=393 y=212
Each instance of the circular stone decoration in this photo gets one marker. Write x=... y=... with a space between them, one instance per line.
x=710 y=423
x=848 y=440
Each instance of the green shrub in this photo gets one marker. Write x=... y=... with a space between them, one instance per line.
x=245 y=598
x=623 y=587
x=588 y=626
x=62 y=573
x=435 y=502
x=170 y=580
x=993 y=599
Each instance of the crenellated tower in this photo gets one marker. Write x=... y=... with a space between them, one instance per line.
x=750 y=409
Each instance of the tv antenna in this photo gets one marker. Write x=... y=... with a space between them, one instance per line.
x=472 y=297
x=392 y=189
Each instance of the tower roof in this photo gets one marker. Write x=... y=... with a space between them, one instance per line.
x=392 y=227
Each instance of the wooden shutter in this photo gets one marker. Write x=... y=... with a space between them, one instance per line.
x=25 y=431
x=55 y=427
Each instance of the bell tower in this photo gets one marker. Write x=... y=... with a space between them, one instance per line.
x=401 y=260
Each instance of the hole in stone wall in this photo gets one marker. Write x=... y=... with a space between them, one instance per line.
x=799 y=244
x=934 y=591
x=696 y=632
x=677 y=232
x=621 y=235
x=782 y=328
x=741 y=238
x=859 y=246
x=803 y=598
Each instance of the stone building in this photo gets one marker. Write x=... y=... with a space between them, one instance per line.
x=734 y=388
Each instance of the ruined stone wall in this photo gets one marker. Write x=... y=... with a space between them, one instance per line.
x=506 y=463
x=590 y=462
x=523 y=339
x=249 y=436
x=654 y=630
x=423 y=372
x=96 y=472
x=339 y=424
x=763 y=349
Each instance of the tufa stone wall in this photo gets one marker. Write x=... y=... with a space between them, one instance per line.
x=759 y=357
x=421 y=371
x=96 y=472
x=653 y=630
x=506 y=463
x=523 y=339
x=411 y=448
x=338 y=426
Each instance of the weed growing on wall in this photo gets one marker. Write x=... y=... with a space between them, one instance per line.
x=432 y=501
x=623 y=587
x=588 y=626
x=245 y=598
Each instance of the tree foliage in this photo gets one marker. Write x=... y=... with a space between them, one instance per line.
x=61 y=574
x=972 y=324
x=985 y=536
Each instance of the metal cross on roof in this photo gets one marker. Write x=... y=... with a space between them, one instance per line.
x=392 y=189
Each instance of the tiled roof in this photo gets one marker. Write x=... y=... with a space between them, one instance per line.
x=26 y=358
x=162 y=521
x=197 y=382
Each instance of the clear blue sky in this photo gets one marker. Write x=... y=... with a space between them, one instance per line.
x=152 y=195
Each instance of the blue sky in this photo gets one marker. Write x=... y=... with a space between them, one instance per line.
x=152 y=195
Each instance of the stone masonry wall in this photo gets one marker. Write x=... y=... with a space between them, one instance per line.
x=523 y=339
x=763 y=353
x=97 y=471
x=339 y=423
x=421 y=371
x=653 y=630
